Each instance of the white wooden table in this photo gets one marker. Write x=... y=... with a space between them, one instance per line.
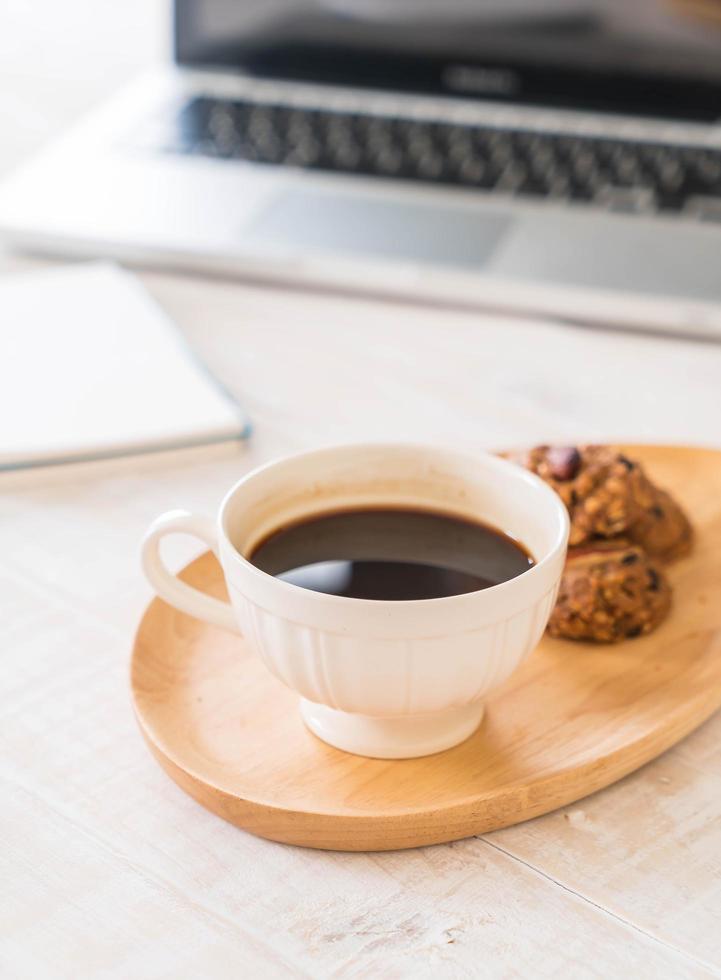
x=107 y=869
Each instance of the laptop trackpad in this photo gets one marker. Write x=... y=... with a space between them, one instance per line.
x=358 y=223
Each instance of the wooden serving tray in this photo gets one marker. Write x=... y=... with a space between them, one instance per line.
x=573 y=719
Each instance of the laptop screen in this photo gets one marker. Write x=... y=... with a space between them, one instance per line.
x=650 y=57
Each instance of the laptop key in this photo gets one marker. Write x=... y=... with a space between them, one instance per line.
x=626 y=199
x=704 y=208
x=474 y=171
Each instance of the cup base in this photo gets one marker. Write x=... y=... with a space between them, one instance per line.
x=399 y=737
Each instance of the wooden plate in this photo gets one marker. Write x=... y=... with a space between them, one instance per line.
x=573 y=719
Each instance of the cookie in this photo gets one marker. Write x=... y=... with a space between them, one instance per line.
x=609 y=592
x=598 y=484
x=662 y=529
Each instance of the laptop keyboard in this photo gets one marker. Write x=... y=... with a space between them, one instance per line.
x=615 y=174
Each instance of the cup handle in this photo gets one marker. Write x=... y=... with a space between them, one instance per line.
x=168 y=586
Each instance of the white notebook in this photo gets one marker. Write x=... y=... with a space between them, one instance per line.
x=91 y=367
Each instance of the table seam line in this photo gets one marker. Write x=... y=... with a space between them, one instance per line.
x=690 y=957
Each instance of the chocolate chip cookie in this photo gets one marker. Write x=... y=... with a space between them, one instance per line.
x=662 y=529
x=598 y=485
x=609 y=591
x=608 y=494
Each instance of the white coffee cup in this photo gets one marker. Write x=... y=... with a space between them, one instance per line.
x=391 y=679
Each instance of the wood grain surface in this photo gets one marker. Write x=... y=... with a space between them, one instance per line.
x=113 y=870
x=573 y=719
x=108 y=868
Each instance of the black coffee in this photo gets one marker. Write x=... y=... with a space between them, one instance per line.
x=391 y=554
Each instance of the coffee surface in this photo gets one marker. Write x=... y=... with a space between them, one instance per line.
x=391 y=554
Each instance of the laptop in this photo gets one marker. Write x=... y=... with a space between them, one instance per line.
x=554 y=157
